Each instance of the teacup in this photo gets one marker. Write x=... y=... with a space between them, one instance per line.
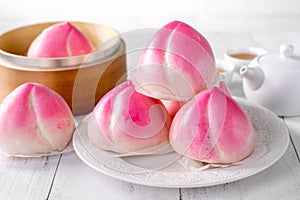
x=243 y=56
x=226 y=69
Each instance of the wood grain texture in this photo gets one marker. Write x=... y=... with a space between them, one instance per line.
x=280 y=181
x=75 y=181
x=293 y=125
x=26 y=178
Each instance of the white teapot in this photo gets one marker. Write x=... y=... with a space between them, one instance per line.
x=273 y=81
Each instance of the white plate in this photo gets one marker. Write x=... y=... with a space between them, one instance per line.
x=144 y=170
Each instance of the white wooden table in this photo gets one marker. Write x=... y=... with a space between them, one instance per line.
x=67 y=177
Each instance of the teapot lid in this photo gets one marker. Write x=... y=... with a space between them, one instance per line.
x=285 y=60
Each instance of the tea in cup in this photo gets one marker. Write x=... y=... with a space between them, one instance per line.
x=226 y=69
x=243 y=56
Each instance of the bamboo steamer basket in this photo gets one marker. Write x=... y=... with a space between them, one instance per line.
x=80 y=80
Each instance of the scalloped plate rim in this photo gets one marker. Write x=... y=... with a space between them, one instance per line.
x=106 y=171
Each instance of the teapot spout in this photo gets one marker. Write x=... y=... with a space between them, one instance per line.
x=253 y=77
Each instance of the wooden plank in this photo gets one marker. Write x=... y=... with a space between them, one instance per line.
x=26 y=178
x=293 y=124
x=280 y=181
x=75 y=180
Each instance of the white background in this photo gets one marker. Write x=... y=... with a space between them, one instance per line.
x=205 y=15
